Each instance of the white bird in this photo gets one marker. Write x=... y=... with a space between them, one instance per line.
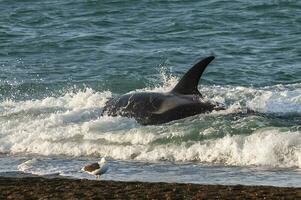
x=97 y=169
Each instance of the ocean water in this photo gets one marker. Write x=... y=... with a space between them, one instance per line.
x=60 y=61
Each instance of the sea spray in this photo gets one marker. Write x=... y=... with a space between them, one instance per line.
x=71 y=125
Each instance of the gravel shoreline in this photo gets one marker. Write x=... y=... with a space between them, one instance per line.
x=63 y=188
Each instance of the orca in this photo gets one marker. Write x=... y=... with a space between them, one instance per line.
x=153 y=108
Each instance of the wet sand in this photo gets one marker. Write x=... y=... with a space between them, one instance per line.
x=63 y=188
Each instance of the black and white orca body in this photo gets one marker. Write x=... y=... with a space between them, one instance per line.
x=150 y=108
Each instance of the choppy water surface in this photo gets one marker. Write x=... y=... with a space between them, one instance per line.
x=61 y=61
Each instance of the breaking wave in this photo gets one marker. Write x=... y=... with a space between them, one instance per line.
x=71 y=125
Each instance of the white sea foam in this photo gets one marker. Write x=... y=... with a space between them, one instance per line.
x=282 y=99
x=36 y=166
x=267 y=147
x=79 y=100
x=71 y=125
x=46 y=166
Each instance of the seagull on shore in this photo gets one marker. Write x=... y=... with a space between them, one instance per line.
x=97 y=169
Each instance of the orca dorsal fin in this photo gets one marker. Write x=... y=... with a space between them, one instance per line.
x=189 y=82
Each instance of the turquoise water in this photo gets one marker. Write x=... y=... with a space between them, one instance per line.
x=60 y=61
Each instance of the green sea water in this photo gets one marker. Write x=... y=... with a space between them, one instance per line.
x=48 y=46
